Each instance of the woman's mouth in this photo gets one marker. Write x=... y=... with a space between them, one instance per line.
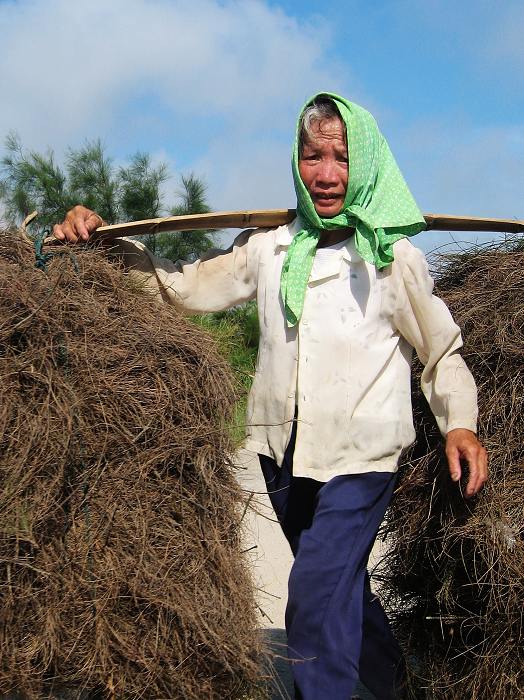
x=327 y=204
x=323 y=198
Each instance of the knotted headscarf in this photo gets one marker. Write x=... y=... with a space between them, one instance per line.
x=378 y=204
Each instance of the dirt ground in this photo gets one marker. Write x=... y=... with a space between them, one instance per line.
x=272 y=559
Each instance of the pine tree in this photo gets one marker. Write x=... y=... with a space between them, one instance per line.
x=34 y=181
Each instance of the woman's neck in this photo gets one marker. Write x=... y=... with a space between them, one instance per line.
x=334 y=236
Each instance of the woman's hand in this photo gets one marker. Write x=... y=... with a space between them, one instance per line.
x=463 y=444
x=79 y=224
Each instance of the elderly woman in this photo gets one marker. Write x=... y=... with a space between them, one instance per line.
x=343 y=298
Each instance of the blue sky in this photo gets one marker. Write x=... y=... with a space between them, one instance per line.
x=214 y=87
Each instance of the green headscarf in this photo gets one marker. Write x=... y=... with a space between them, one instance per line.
x=378 y=204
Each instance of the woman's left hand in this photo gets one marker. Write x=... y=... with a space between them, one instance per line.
x=462 y=444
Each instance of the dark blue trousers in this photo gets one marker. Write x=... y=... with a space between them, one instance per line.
x=337 y=629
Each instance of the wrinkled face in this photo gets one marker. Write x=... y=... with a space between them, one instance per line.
x=323 y=166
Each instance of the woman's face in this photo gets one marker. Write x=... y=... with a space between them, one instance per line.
x=323 y=166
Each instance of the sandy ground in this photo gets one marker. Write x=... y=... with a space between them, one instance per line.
x=272 y=561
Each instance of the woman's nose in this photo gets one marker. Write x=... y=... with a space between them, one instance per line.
x=327 y=173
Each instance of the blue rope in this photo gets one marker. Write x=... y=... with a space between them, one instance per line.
x=41 y=258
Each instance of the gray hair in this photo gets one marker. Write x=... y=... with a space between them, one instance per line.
x=319 y=110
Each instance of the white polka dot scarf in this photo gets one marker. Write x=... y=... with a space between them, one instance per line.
x=378 y=205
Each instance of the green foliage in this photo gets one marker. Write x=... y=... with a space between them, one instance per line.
x=141 y=196
x=92 y=180
x=140 y=183
x=193 y=196
x=34 y=181
x=237 y=333
x=182 y=246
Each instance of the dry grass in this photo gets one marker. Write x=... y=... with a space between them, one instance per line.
x=454 y=580
x=121 y=568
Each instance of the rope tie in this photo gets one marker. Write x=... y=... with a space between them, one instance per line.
x=42 y=258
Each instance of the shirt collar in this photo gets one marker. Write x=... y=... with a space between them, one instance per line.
x=284 y=235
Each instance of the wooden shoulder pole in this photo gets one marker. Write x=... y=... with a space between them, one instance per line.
x=271 y=218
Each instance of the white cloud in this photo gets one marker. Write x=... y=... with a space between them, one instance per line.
x=219 y=83
x=211 y=86
x=67 y=68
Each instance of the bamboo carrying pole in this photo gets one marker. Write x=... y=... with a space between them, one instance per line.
x=276 y=217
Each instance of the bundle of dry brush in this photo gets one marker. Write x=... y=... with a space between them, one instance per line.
x=454 y=579
x=121 y=569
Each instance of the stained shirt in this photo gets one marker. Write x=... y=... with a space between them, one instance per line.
x=346 y=366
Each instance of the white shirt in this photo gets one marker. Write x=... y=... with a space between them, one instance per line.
x=347 y=363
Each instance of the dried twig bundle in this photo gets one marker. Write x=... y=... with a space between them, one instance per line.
x=454 y=578
x=121 y=569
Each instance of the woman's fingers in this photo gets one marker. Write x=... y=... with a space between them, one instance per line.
x=463 y=444
x=79 y=224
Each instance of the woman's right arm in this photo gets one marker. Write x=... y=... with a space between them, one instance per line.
x=219 y=280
